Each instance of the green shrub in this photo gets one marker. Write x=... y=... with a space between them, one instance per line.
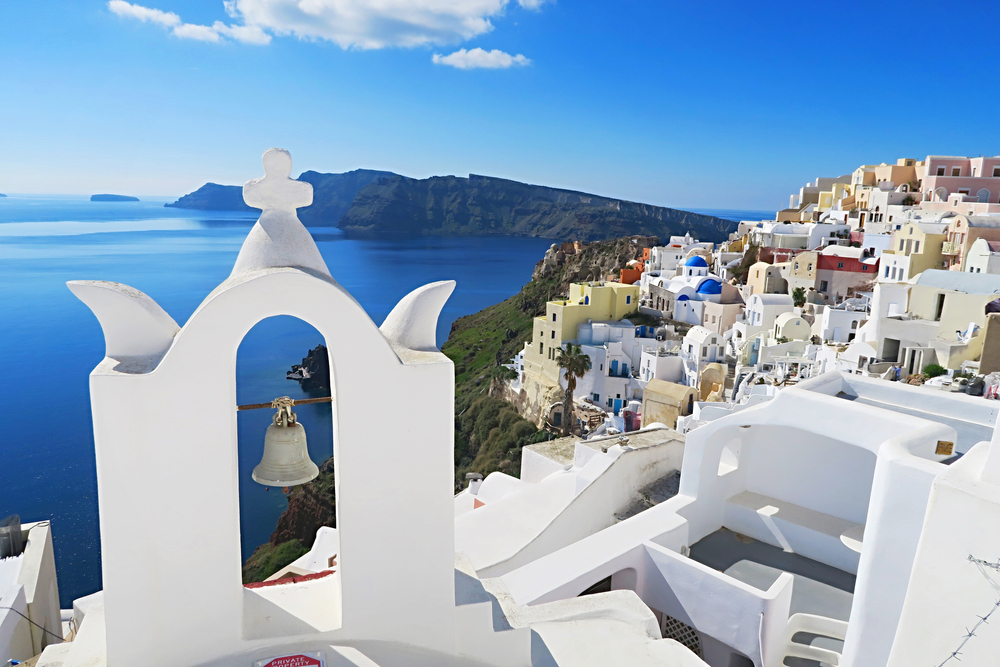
x=934 y=370
x=268 y=559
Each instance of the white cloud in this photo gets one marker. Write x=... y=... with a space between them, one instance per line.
x=248 y=34
x=144 y=14
x=204 y=33
x=479 y=59
x=373 y=24
x=357 y=24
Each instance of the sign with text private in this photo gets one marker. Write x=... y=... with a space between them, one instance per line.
x=297 y=660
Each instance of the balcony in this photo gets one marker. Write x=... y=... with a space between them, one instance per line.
x=949 y=248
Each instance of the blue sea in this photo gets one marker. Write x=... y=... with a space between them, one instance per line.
x=50 y=341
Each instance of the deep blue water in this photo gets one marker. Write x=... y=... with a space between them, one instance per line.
x=735 y=214
x=49 y=341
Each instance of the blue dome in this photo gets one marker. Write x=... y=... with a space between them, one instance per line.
x=710 y=286
x=683 y=297
x=697 y=260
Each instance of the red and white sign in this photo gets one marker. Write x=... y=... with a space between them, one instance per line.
x=297 y=660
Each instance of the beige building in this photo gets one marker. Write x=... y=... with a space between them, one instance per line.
x=802 y=271
x=720 y=317
x=663 y=402
x=941 y=306
x=764 y=278
x=963 y=230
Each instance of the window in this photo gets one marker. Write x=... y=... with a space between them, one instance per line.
x=864 y=267
x=886 y=271
x=900 y=245
x=910 y=232
x=553 y=334
x=810 y=267
x=618 y=395
x=822 y=286
x=996 y=172
x=840 y=265
x=940 y=171
x=597 y=398
x=541 y=348
x=916 y=246
x=956 y=171
x=628 y=299
x=553 y=317
x=690 y=348
x=704 y=351
x=963 y=191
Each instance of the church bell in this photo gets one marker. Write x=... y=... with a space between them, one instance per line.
x=286 y=459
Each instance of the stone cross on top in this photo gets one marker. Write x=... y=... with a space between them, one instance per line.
x=278 y=239
x=277 y=190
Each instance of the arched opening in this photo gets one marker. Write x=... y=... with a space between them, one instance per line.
x=941 y=194
x=983 y=196
x=282 y=356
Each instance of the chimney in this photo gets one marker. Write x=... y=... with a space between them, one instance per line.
x=475 y=480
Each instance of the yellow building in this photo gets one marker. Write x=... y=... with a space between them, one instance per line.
x=587 y=301
x=921 y=242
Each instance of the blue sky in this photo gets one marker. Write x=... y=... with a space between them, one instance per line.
x=687 y=104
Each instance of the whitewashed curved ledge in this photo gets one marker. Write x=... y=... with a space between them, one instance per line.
x=137 y=331
x=242 y=301
x=412 y=324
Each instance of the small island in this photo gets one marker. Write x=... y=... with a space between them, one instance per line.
x=2 y=195
x=113 y=198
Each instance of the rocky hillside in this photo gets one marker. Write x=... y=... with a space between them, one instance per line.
x=213 y=197
x=380 y=203
x=483 y=206
x=332 y=196
x=489 y=433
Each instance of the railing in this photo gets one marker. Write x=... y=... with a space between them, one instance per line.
x=949 y=248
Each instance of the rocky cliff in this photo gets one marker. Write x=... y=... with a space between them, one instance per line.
x=332 y=196
x=485 y=206
x=313 y=374
x=380 y=203
x=213 y=197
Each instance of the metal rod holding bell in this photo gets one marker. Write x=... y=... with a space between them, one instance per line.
x=286 y=459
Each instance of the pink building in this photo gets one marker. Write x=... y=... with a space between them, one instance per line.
x=977 y=177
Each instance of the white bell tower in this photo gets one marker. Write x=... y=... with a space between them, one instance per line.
x=164 y=410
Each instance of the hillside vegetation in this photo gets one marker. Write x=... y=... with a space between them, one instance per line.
x=489 y=433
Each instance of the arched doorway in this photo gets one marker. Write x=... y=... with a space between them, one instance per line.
x=279 y=524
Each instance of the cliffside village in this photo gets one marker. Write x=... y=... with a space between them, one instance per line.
x=889 y=272
x=747 y=485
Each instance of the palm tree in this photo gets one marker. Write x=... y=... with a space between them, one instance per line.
x=576 y=364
